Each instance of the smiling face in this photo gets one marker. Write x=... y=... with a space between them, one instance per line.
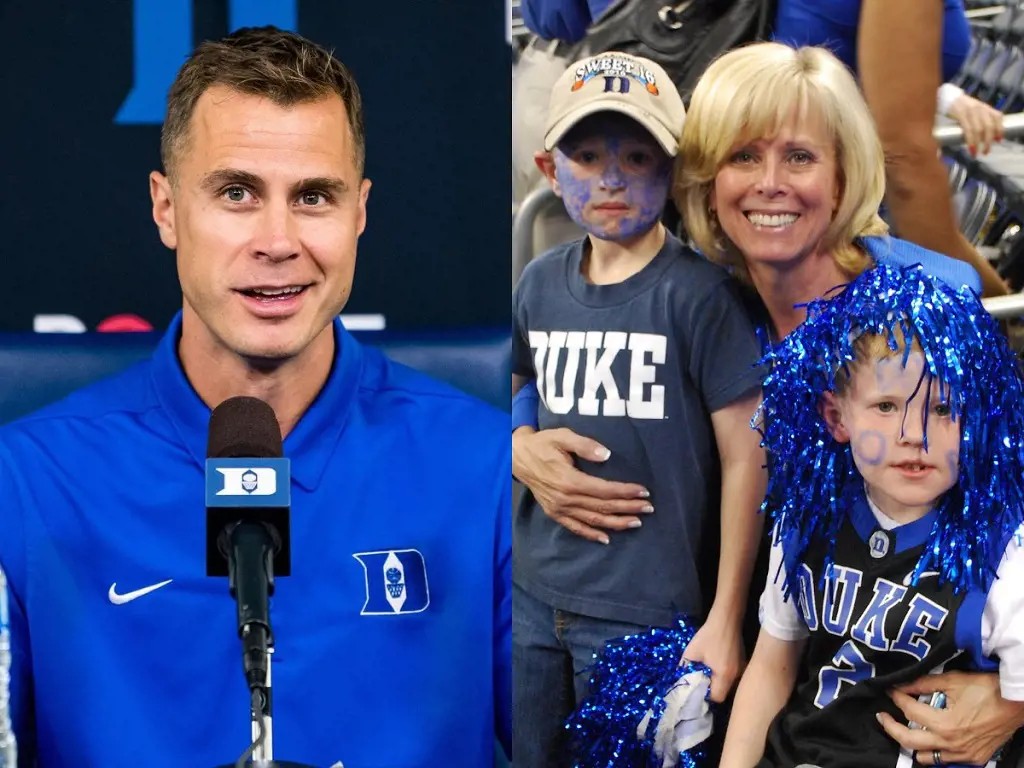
x=265 y=212
x=613 y=177
x=884 y=412
x=775 y=196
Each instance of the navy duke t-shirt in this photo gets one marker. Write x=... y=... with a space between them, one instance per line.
x=638 y=366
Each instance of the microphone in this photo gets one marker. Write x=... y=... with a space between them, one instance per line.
x=248 y=499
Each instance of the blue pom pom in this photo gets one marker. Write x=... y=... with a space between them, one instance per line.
x=629 y=677
x=813 y=476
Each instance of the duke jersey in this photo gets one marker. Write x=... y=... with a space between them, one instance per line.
x=869 y=631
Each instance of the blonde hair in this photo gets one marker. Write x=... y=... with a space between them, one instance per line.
x=749 y=93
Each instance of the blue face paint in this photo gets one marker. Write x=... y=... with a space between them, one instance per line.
x=614 y=182
x=869 y=446
x=613 y=179
x=953 y=462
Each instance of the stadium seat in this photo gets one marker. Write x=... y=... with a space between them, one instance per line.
x=988 y=190
x=1016 y=33
x=1006 y=94
x=37 y=369
x=988 y=82
x=974 y=205
x=975 y=66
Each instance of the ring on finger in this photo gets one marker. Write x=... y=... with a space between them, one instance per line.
x=936 y=757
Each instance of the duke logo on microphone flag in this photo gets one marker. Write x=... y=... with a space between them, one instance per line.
x=396 y=582
x=248 y=483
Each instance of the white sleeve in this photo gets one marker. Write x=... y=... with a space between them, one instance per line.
x=948 y=93
x=779 y=617
x=1002 y=621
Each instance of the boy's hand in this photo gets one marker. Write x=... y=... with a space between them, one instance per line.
x=719 y=645
x=542 y=461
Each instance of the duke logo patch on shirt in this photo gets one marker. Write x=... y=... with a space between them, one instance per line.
x=396 y=582
x=879 y=544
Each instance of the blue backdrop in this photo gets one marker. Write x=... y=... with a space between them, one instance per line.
x=84 y=86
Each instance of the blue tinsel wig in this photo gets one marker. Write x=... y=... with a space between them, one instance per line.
x=814 y=477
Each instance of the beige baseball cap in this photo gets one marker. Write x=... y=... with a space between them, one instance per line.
x=617 y=82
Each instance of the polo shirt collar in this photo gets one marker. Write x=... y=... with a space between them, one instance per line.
x=309 y=445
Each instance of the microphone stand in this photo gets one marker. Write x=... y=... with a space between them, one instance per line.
x=252 y=591
x=262 y=748
x=262 y=719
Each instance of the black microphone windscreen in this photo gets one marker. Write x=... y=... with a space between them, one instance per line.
x=243 y=428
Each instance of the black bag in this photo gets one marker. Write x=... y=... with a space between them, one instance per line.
x=683 y=37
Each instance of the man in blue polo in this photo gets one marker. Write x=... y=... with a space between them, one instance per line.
x=124 y=652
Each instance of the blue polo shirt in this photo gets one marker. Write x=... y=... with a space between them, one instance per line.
x=103 y=496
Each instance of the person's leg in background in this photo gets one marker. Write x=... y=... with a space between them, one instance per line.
x=542 y=690
x=539 y=66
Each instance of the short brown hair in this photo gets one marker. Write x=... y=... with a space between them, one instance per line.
x=260 y=61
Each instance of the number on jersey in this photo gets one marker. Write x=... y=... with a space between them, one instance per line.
x=848 y=666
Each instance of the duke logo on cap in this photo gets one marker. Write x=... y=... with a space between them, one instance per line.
x=617 y=82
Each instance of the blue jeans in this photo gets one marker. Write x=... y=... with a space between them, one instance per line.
x=551 y=653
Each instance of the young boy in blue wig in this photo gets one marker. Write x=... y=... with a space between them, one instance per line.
x=895 y=419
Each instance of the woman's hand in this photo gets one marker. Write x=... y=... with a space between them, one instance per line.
x=975 y=723
x=982 y=124
x=543 y=462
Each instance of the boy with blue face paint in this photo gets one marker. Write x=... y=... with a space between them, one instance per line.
x=636 y=341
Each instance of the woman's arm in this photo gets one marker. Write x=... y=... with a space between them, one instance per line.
x=899 y=49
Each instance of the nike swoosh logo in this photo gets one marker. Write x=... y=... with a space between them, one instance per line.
x=127 y=597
